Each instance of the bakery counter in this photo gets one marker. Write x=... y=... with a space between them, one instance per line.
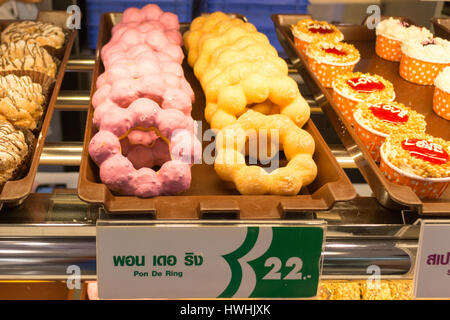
x=47 y=233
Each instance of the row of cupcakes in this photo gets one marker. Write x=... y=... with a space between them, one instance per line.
x=321 y=43
x=424 y=59
x=394 y=134
x=421 y=55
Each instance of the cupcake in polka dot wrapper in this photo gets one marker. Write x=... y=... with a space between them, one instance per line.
x=375 y=122
x=308 y=30
x=441 y=97
x=422 y=61
x=391 y=33
x=352 y=88
x=417 y=160
x=328 y=59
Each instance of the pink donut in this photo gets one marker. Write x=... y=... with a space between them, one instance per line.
x=103 y=146
x=147 y=183
x=124 y=174
x=122 y=171
x=143 y=156
x=175 y=176
x=155 y=38
x=116 y=173
x=142 y=137
x=167 y=89
x=132 y=14
x=143 y=94
x=100 y=95
x=152 y=12
x=170 y=21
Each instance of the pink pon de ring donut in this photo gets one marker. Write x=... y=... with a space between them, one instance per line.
x=142 y=108
x=150 y=26
x=144 y=75
x=176 y=155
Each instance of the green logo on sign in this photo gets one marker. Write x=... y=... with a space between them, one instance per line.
x=278 y=262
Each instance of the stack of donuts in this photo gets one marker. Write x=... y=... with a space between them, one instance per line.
x=143 y=108
x=248 y=91
x=28 y=68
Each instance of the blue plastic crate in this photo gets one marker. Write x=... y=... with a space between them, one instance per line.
x=95 y=8
x=258 y=12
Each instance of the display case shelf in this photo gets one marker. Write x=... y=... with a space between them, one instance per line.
x=48 y=233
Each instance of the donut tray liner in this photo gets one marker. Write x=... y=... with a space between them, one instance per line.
x=15 y=191
x=418 y=97
x=209 y=196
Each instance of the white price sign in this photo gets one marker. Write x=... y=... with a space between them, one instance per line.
x=215 y=261
x=432 y=274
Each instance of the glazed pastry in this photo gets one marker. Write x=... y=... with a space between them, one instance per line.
x=13 y=150
x=238 y=70
x=417 y=160
x=297 y=144
x=42 y=33
x=21 y=101
x=23 y=85
x=26 y=56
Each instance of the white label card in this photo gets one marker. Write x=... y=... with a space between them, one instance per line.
x=432 y=274
x=240 y=261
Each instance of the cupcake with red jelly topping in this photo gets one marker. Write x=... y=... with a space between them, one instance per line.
x=422 y=61
x=329 y=59
x=375 y=122
x=417 y=160
x=352 y=88
x=441 y=97
x=391 y=33
x=309 y=30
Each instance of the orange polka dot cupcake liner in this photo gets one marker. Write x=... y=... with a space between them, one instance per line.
x=418 y=71
x=441 y=103
x=327 y=72
x=370 y=139
x=301 y=45
x=388 y=49
x=425 y=188
x=345 y=105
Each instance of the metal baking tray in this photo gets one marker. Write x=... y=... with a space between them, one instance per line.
x=416 y=96
x=208 y=195
x=14 y=192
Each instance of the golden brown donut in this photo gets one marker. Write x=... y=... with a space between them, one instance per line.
x=298 y=146
x=239 y=69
